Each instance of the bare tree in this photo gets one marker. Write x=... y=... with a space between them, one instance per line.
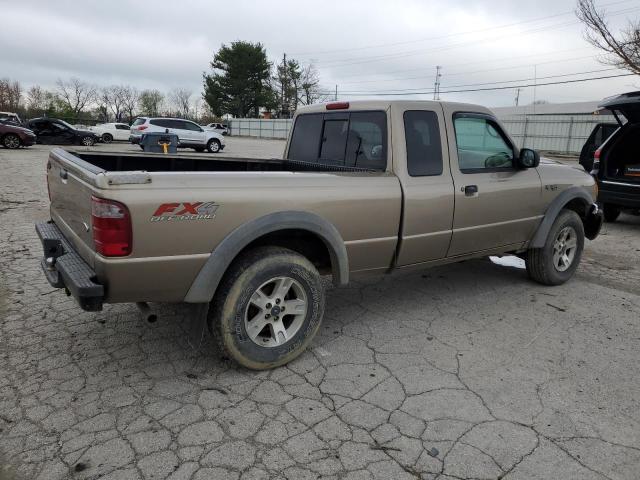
x=76 y=94
x=112 y=98
x=623 y=50
x=180 y=99
x=10 y=94
x=130 y=97
x=309 y=86
x=150 y=102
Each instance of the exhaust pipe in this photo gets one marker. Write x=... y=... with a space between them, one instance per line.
x=145 y=311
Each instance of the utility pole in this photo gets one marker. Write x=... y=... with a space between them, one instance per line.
x=335 y=99
x=283 y=81
x=436 y=87
x=518 y=95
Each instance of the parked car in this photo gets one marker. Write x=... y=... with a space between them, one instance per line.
x=52 y=131
x=108 y=132
x=347 y=198
x=190 y=134
x=598 y=135
x=617 y=161
x=13 y=136
x=10 y=117
x=217 y=127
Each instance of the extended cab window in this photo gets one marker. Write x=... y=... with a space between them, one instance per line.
x=424 y=150
x=482 y=145
x=354 y=139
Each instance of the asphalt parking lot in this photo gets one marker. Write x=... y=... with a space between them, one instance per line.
x=468 y=371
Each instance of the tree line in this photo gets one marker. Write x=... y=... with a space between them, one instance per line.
x=78 y=101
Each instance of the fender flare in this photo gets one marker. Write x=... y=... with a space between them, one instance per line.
x=206 y=283
x=571 y=193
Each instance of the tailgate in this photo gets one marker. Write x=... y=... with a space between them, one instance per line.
x=70 y=181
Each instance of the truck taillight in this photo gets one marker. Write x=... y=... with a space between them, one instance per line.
x=143 y=127
x=337 y=106
x=111 y=225
x=47 y=177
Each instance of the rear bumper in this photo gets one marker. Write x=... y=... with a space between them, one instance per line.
x=64 y=268
x=623 y=194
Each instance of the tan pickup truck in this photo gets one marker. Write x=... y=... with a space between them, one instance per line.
x=370 y=186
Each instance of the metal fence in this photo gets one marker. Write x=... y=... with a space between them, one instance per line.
x=256 y=127
x=551 y=133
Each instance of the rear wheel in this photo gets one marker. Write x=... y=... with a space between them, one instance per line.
x=268 y=308
x=87 y=141
x=213 y=146
x=11 y=140
x=611 y=212
x=558 y=259
x=107 y=138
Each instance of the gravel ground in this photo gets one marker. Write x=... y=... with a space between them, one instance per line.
x=468 y=371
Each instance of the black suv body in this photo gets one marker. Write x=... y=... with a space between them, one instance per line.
x=616 y=163
x=51 y=131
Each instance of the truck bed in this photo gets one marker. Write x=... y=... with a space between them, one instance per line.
x=150 y=162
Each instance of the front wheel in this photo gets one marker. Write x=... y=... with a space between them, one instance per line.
x=11 y=140
x=611 y=212
x=267 y=308
x=213 y=146
x=558 y=259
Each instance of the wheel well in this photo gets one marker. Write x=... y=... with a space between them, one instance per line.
x=579 y=206
x=306 y=243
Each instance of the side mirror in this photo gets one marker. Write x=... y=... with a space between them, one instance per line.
x=528 y=158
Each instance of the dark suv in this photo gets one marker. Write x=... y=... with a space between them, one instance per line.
x=616 y=163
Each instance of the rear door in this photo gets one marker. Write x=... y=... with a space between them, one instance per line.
x=496 y=204
x=419 y=137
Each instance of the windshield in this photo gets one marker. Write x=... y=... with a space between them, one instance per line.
x=62 y=122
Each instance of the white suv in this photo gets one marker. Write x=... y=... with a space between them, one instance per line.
x=112 y=131
x=190 y=134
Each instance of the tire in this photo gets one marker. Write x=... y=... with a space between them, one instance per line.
x=611 y=212
x=87 y=141
x=259 y=346
x=107 y=138
x=199 y=149
x=547 y=267
x=141 y=147
x=213 y=146
x=11 y=140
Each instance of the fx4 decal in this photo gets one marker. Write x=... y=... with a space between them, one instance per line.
x=171 y=212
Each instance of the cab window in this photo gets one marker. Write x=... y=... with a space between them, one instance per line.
x=482 y=146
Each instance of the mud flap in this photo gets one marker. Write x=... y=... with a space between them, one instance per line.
x=196 y=324
x=593 y=222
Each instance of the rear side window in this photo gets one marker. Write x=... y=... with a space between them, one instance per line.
x=424 y=149
x=305 y=141
x=355 y=139
x=160 y=122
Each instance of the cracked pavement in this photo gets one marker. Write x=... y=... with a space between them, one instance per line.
x=467 y=371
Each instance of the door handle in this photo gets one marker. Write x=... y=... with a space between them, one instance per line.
x=470 y=190
x=64 y=174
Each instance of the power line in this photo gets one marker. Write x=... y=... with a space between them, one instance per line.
x=489 y=83
x=509 y=87
x=468 y=32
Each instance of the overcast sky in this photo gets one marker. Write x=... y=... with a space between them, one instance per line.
x=362 y=46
